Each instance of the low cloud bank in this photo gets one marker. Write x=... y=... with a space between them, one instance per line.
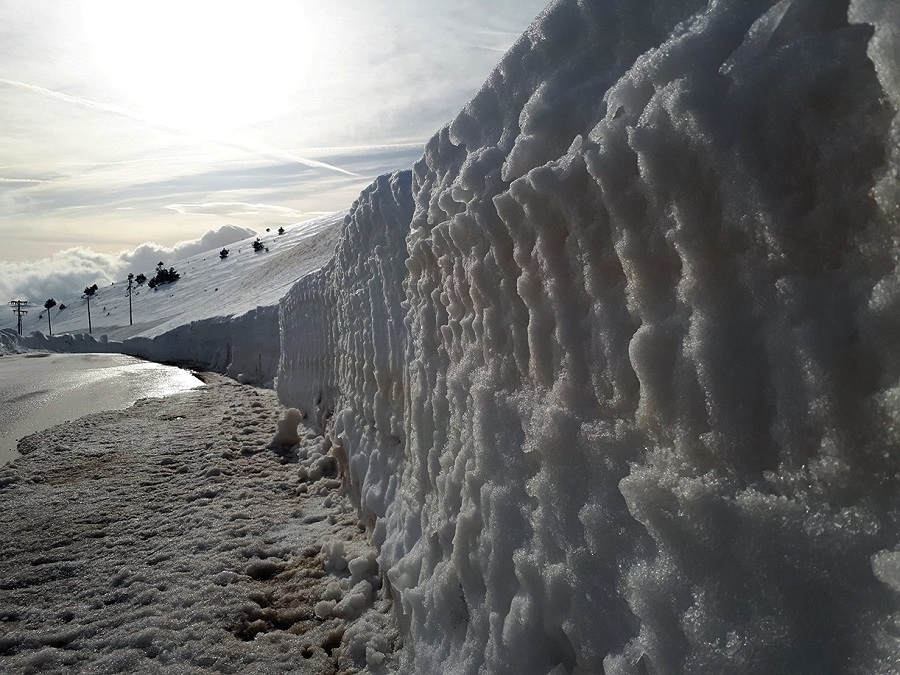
x=78 y=267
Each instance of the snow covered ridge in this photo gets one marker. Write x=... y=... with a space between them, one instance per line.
x=627 y=397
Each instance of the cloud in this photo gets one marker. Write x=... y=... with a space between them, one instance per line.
x=78 y=267
x=144 y=257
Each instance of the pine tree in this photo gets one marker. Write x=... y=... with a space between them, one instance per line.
x=88 y=294
x=48 y=306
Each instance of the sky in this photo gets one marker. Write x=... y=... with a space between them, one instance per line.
x=126 y=123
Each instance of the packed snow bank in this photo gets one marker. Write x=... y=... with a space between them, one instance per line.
x=9 y=342
x=243 y=347
x=68 y=343
x=631 y=403
x=231 y=325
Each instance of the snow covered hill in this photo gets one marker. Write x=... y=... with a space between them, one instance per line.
x=228 y=305
x=612 y=373
x=209 y=286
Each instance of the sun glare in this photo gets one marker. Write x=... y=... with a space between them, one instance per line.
x=200 y=66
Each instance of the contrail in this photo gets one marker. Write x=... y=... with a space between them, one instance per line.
x=269 y=153
x=272 y=153
x=87 y=103
x=418 y=145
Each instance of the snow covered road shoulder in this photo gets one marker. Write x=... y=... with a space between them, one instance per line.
x=171 y=538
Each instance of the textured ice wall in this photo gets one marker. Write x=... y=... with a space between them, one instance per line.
x=243 y=347
x=649 y=414
x=344 y=344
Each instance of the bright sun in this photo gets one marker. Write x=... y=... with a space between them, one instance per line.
x=201 y=66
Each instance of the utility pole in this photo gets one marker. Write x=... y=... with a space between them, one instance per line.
x=17 y=306
x=130 y=286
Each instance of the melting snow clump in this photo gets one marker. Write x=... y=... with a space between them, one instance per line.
x=287 y=435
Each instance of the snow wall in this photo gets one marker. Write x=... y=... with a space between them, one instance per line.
x=243 y=347
x=616 y=375
x=344 y=344
x=77 y=343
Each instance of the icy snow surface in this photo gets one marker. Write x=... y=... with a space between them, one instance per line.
x=170 y=539
x=613 y=374
x=38 y=391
